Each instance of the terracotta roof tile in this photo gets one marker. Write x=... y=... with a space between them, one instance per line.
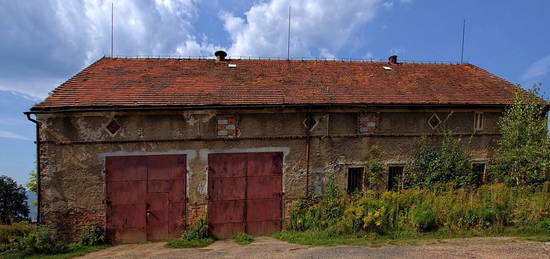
x=131 y=82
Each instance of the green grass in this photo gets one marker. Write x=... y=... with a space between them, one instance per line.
x=243 y=238
x=75 y=251
x=182 y=243
x=324 y=238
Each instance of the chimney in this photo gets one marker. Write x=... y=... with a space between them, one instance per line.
x=392 y=60
x=220 y=55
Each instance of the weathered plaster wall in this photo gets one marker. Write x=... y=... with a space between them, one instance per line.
x=74 y=146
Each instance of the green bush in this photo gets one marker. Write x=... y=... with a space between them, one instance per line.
x=447 y=164
x=316 y=212
x=92 y=236
x=40 y=241
x=487 y=207
x=12 y=232
x=243 y=238
x=195 y=235
x=422 y=217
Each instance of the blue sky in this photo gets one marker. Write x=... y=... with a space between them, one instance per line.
x=44 y=42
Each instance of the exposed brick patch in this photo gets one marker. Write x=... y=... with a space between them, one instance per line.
x=226 y=126
x=368 y=122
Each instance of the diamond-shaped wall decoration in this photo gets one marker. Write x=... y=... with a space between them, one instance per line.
x=434 y=121
x=309 y=122
x=113 y=127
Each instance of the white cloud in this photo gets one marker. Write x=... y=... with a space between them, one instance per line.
x=318 y=27
x=7 y=134
x=45 y=42
x=388 y=4
x=537 y=69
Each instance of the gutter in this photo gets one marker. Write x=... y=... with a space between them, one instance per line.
x=37 y=123
x=107 y=108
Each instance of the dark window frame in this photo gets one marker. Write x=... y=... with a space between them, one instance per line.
x=481 y=174
x=355 y=179
x=399 y=184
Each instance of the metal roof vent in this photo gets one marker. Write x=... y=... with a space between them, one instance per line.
x=220 y=55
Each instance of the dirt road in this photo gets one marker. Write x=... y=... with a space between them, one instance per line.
x=266 y=247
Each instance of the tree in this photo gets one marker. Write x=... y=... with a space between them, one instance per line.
x=523 y=152
x=13 y=205
x=446 y=162
x=32 y=185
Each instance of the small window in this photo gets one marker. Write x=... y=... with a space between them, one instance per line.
x=479 y=171
x=478 y=121
x=395 y=175
x=355 y=179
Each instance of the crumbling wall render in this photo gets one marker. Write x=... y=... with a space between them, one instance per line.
x=74 y=146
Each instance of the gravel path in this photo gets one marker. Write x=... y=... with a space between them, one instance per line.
x=266 y=247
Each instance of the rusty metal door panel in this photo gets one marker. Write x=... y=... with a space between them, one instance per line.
x=219 y=188
x=264 y=164
x=157 y=216
x=226 y=193
x=264 y=187
x=126 y=189
x=138 y=186
x=227 y=165
x=264 y=193
x=176 y=223
x=225 y=218
x=165 y=194
x=126 y=168
x=244 y=193
x=265 y=227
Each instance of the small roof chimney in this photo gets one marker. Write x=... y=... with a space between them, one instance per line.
x=220 y=55
x=392 y=59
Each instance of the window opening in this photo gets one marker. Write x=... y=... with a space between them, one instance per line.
x=355 y=179
x=478 y=121
x=395 y=175
x=479 y=171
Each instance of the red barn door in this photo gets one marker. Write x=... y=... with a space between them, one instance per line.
x=145 y=197
x=244 y=193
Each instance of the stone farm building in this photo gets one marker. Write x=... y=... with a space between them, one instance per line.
x=142 y=146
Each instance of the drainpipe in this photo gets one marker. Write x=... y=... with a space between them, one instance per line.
x=309 y=123
x=37 y=123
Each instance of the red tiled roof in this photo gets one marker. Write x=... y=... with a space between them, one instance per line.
x=138 y=82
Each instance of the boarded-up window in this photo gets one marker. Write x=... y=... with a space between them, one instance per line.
x=478 y=121
x=355 y=179
x=226 y=126
x=479 y=171
x=368 y=122
x=395 y=178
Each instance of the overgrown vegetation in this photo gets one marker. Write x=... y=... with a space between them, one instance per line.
x=92 y=236
x=243 y=238
x=21 y=240
x=375 y=167
x=523 y=154
x=435 y=163
x=195 y=235
x=444 y=208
